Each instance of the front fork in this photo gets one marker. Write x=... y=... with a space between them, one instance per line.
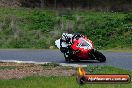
x=91 y=54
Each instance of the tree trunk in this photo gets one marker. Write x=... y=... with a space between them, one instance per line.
x=42 y=2
x=71 y=5
x=55 y=2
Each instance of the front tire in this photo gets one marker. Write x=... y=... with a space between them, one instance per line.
x=99 y=56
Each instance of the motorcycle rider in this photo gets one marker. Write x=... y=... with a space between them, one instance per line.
x=70 y=39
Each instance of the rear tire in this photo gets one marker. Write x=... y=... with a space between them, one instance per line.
x=99 y=56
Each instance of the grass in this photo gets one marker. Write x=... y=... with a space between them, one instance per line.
x=38 y=28
x=119 y=50
x=7 y=67
x=50 y=65
x=64 y=82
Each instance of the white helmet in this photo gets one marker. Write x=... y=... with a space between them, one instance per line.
x=64 y=36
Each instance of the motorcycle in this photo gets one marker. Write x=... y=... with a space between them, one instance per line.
x=78 y=47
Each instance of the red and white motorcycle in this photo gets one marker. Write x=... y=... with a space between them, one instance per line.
x=78 y=47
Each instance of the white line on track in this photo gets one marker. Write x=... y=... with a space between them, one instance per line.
x=62 y=64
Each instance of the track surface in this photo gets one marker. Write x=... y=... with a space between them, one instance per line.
x=116 y=59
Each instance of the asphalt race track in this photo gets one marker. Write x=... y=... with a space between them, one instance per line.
x=116 y=59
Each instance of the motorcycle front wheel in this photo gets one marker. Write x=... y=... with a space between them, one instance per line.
x=99 y=56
